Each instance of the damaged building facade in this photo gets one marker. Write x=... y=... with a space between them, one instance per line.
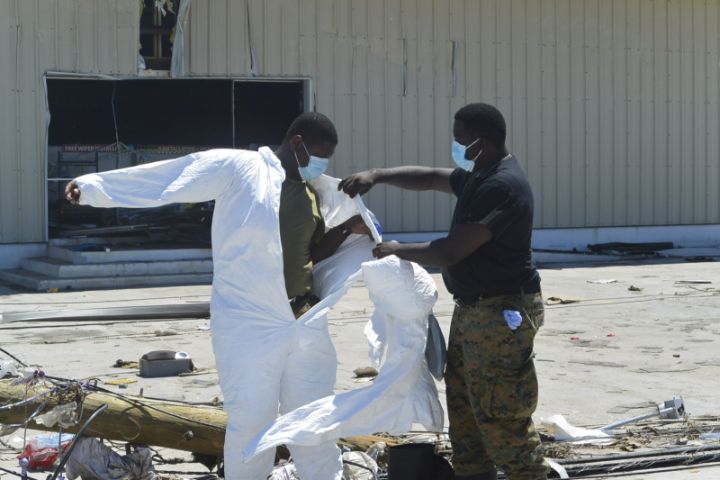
x=613 y=107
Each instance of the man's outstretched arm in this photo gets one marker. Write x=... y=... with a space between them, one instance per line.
x=409 y=178
x=198 y=177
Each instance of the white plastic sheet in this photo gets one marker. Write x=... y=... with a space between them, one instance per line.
x=563 y=431
x=403 y=392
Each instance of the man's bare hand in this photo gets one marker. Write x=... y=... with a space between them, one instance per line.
x=357 y=225
x=72 y=193
x=357 y=183
x=385 y=249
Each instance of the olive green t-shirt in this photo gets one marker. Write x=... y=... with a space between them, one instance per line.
x=301 y=228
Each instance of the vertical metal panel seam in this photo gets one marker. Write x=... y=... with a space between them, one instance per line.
x=626 y=69
x=668 y=66
x=556 y=164
x=705 y=106
x=16 y=132
x=527 y=96
x=76 y=31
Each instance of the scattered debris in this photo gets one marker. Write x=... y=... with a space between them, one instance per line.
x=284 y=471
x=710 y=436
x=610 y=334
x=92 y=459
x=562 y=431
x=699 y=259
x=42 y=451
x=668 y=410
x=559 y=301
x=359 y=466
x=120 y=363
x=165 y=333
x=8 y=368
x=64 y=416
x=365 y=372
x=165 y=363
x=622 y=248
x=120 y=381
x=603 y=281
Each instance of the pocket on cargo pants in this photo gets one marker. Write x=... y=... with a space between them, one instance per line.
x=507 y=387
x=510 y=395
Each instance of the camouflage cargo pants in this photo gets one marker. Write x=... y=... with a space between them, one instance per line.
x=492 y=389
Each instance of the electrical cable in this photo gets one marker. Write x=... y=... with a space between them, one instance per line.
x=79 y=434
x=13 y=357
x=59 y=381
x=17 y=474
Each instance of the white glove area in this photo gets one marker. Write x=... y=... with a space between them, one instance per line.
x=267 y=361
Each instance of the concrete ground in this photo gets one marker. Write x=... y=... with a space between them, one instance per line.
x=637 y=334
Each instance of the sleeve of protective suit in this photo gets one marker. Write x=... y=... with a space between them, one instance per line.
x=198 y=177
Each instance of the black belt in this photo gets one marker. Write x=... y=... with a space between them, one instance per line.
x=468 y=301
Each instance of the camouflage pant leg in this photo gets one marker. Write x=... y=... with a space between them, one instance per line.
x=469 y=455
x=501 y=384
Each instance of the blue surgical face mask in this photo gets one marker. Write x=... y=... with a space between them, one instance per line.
x=316 y=166
x=458 y=155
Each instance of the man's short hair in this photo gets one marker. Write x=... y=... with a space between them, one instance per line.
x=484 y=120
x=315 y=128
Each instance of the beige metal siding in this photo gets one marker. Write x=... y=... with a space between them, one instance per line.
x=37 y=36
x=612 y=105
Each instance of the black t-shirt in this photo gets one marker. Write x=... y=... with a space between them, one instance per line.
x=500 y=198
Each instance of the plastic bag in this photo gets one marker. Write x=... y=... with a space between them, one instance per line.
x=63 y=415
x=435 y=349
x=284 y=472
x=42 y=451
x=359 y=466
x=92 y=460
x=8 y=368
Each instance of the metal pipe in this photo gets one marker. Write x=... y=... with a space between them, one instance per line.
x=633 y=455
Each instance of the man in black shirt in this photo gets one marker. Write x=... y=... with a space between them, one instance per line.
x=487 y=267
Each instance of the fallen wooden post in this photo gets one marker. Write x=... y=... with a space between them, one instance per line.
x=197 y=429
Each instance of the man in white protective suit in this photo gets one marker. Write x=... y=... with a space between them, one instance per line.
x=267 y=361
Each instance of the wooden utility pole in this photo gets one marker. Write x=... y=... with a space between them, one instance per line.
x=197 y=429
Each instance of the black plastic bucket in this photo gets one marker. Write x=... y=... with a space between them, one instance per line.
x=412 y=461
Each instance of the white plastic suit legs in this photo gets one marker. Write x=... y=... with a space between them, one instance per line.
x=295 y=366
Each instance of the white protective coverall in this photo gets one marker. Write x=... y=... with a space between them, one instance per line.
x=403 y=392
x=265 y=358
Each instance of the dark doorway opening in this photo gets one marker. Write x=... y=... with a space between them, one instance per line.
x=100 y=125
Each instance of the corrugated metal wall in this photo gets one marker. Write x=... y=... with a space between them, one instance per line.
x=612 y=104
x=37 y=36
